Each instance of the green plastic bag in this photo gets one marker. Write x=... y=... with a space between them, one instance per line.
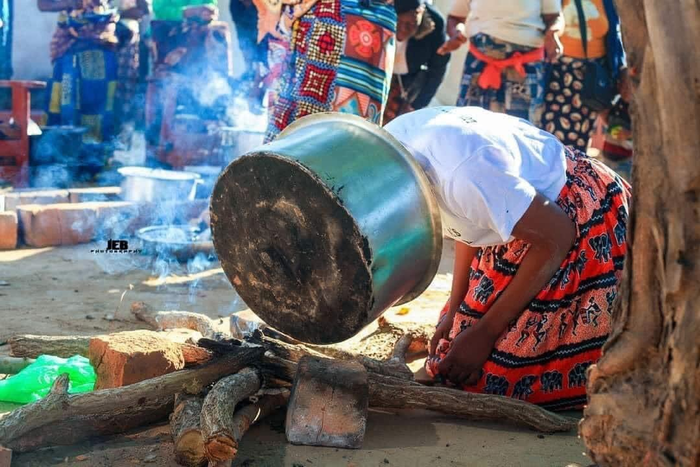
x=171 y=10
x=35 y=381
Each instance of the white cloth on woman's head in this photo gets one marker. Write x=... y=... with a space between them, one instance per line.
x=485 y=167
x=515 y=21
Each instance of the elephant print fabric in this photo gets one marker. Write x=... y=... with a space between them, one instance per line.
x=543 y=355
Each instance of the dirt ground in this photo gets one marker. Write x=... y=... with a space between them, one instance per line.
x=71 y=290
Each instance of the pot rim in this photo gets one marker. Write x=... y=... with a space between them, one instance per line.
x=158 y=174
x=422 y=179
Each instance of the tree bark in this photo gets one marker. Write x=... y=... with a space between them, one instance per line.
x=217 y=418
x=187 y=434
x=62 y=418
x=645 y=391
x=31 y=346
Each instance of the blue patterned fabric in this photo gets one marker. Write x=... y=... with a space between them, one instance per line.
x=82 y=91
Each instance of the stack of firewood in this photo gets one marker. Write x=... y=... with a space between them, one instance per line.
x=212 y=403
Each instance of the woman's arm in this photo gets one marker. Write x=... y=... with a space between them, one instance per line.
x=59 y=5
x=459 y=11
x=554 y=27
x=455 y=34
x=464 y=254
x=437 y=67
x=550 y=233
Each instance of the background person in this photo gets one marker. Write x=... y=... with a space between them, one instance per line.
x=565 y=115
x=508 y=42
x=83 y=53
x=340 y=59
x=418 y=68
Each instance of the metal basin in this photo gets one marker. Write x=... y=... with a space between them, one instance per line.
x=263 y=227
x=143 y=184
x=182 y=242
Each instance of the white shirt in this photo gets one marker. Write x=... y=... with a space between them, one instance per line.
x=400 y=63
x=516 y=21
x=485 y=168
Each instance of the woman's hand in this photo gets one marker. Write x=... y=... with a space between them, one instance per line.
x=441 y=332
x=467 y=355
x=553 y=47
x=456 y=31
x=452 y=44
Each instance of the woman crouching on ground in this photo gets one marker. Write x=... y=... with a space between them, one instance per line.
x=540 y=244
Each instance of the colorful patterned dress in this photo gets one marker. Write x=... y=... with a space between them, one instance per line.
x=84 y=82
x=341 y=59
x=544 y=354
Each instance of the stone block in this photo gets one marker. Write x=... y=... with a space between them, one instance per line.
x=129 y=357
x=12 y=200
x=99 y=193
x=57 y=224
x=328 y=404
x=8 y=230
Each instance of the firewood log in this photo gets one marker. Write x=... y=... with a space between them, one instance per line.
x=62 y=418
x=246 y=416
x=161 y=320
x=294 y=352
x=388 y=392
x=31 y=346
x=217 y=417
x=187 y=434
x=391 y=392
x=194 y=355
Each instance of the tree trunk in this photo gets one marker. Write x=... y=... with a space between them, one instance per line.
x=645 y=391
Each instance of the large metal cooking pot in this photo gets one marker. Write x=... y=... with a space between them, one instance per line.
x=325 y=228
x=146 y=184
